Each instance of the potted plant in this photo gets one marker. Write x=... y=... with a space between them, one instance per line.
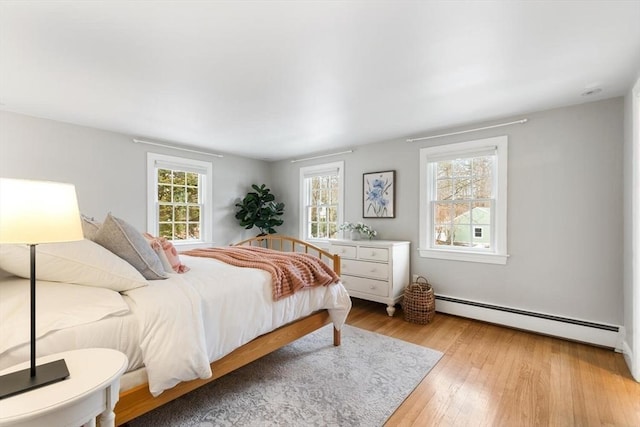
x=358 y=229
x=259 y=209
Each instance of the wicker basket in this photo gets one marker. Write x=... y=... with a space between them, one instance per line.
x=419 y=303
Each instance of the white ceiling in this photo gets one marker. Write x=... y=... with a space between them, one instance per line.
x=280 y=79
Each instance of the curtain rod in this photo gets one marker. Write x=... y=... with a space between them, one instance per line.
x=517 y=122
x=157 y=144
x=321 y=156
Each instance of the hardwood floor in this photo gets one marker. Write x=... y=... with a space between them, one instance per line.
x=496 y=376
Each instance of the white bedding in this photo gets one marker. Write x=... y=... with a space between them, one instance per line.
x=176 y=327
x=220 y=308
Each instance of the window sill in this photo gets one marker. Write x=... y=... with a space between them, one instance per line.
x=486 y=258
x=185 y=246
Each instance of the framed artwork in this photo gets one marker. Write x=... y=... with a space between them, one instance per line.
x=378 y=194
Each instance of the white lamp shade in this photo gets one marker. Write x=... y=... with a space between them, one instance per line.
x=33 y=212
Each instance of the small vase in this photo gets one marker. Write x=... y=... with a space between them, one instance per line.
x=355 y=235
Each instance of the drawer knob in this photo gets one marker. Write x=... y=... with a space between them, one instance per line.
x=372 y=286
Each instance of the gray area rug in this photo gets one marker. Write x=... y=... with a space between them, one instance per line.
x=308 y=383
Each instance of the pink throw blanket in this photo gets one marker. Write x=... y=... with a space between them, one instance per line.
x=290 y=271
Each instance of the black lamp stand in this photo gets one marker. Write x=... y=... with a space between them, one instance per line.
x=34 y=376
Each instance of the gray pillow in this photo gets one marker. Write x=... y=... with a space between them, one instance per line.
x=89 y=227
x=125 y=241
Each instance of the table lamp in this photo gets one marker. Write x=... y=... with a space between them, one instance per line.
x=33 y=212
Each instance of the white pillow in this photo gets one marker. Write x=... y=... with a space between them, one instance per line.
x=83 y=263
x=59 y=306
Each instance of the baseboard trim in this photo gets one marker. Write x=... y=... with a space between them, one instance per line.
x=601 y=334
x=628 y=357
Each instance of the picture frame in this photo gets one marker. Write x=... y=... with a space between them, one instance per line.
x=378 y=194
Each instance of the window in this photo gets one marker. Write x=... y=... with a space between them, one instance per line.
x=321 y=195
x=463 y=201
x=179 y=199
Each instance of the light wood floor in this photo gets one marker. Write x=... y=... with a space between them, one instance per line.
x=495 y=376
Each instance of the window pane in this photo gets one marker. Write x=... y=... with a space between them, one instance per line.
x=462 y=167
x=164 y=176
x=322 y=230
x=332 y=214
x=192 y=194
x=314 y=214
x=180 y=213
x=166 y=213
x=461 y=213
x=481 y=213
x=166 y=230
x=462 y=188
x=193 y=179
x=483 y=166
x=179 y=178
x=442 y=234
x=180 y=231
x=444 y=169
x=442 y=213
x=333 y=230
x=194 y=231
x=179 y=195
x=194 y=213
x=461 y=235
x=482 y=187
x=445 y=189
x=164 y=193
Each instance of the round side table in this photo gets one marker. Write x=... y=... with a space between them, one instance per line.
x=91 y=390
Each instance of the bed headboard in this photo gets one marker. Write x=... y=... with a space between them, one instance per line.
x=290 y=244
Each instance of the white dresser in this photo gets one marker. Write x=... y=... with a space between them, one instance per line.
x=375 y=270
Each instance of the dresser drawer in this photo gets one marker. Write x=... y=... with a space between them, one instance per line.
x=343 y=251
x=367 y=286
x=373 y=254
x=364 y=268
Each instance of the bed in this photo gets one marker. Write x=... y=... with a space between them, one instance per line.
x=178 y=333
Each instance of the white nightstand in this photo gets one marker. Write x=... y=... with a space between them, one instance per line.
x=91 y=389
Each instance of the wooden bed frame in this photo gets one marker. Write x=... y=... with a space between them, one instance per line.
x=138 y=400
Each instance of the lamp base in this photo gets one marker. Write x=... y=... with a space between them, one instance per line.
x=22 y=381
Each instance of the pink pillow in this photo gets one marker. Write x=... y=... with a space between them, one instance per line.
x=167 y=254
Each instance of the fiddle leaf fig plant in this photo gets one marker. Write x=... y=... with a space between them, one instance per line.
x=260 y=209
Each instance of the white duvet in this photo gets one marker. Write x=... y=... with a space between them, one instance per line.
x=192 y=319
x=174 y=327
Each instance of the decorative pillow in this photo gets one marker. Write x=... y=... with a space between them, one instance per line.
x=90 y=227
x=82 y=263
x=167 y=254
x=124 y=240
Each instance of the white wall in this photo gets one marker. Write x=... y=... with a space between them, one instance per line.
x=565 y=200
x=109 y=170
x=565 y=212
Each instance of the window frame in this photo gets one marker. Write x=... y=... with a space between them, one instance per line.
x=157 y=161
x=306 y=172
x=497 y=254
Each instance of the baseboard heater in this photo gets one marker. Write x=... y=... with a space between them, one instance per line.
x=601 y=334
